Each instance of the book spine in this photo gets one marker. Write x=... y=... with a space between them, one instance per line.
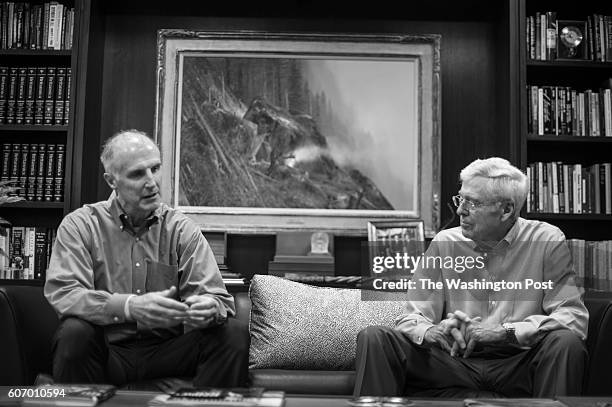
x=4 y=72
x=6 y=162
x=32 y=171
x=39 y=97
x=28 y=115
x=45 y=27
x=40 y=172
x=12 y=95
x=67 y=98
x=17 y=243
x=49 y=96
x=58 y=190
x=52 y=25
x=49 y=173
x=40 y=250
x=21 y=94
x=15 y=163
x=60 y=87
x=23 y=169
x=551 y=35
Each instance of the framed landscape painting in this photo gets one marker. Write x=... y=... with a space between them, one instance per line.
x=266 y=132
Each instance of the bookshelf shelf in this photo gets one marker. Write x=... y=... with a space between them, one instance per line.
x=568 y=64
x=36 y=52
x=569 y=216
x=32 y=127
x=35 y=205
x=30 y=282
x=568 y=139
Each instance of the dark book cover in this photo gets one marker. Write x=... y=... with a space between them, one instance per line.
x=30 y=193
x=21 y=94
x=39 y=96
x=6 y=162
x=58 y=187
x=39 y=185
x=49 y=173
x=23 y=169
x=45 y=27
x=67 y=96
x=28 y=115
x=15 y=162
x=40 y=253
x=81 y=395
x=49 y=96
x=4 y=72
x=60 y=87
x=12 y=95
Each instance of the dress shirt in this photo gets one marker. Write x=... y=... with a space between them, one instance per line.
x=99 y=260
x=530 y=250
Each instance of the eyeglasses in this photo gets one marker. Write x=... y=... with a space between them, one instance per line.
x=468 y=204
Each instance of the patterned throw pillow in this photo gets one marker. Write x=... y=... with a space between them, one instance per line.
x=298 y=326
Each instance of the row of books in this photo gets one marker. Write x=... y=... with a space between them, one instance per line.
x=37 y=169
x=562 y=110
x=592 y=263
x=32 y=25
x=28 y=251
x=555 y=187
x=549 y=39
x=35 y=95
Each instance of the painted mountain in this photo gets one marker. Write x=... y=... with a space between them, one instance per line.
x=254 y=133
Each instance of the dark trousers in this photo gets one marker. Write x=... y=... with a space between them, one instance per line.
x=389 y=364
x=216 y=356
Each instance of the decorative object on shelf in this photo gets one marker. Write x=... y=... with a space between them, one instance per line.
x=393 y=236
x=267 y=132
x=295 y=257
x=319 y=244
x=572 y=39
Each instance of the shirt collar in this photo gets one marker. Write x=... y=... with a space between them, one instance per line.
x=122 y=219
x=503 y=244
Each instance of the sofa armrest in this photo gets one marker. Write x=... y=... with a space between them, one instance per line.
x=599 y=344
x=28 y=323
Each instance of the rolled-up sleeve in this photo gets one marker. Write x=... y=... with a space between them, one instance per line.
x=563 y=306
x=425 y=305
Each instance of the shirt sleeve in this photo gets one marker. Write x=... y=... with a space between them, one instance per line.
x=69 y=286
x=425 y=308
x=200 y=274
x=562 y=306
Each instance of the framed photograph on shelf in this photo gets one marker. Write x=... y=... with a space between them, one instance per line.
x=266 y=132
x=571 y=40
x=402 y=236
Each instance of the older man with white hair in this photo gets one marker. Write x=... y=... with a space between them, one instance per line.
x=137 y=287
x=473 y=338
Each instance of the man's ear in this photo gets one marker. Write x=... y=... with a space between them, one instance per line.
x=508 y=209
x=110 y=180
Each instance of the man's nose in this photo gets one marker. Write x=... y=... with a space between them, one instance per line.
x=461 y=210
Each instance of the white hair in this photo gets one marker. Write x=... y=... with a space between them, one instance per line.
x=504 y=180
x=119 y=140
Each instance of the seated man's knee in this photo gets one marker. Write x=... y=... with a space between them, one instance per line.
x=375 y=333
x=234 y=333
x=563 y=341
x=74 y=338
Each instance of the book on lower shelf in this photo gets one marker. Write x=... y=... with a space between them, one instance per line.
x=77 y=395
x=237 y=397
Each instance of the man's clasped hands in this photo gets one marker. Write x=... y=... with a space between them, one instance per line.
x=159 y=309
x=459 y=334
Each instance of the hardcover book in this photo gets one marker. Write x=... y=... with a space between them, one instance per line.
x=77 y=395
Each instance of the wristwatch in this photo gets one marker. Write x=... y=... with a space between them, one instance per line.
x=510 y=333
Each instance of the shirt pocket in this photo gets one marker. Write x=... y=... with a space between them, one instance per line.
x=160 y=276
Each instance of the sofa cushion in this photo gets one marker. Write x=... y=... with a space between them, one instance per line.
x=297 y=326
